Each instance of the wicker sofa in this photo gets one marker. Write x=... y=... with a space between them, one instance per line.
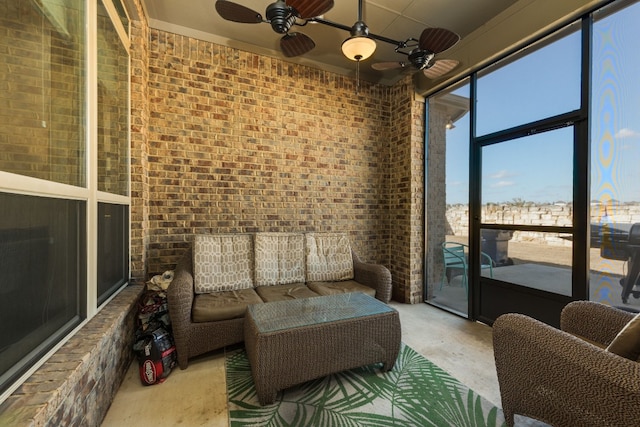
x=570 y=376
x=221 y=274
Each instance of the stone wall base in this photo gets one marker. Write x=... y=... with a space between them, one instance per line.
x=78 y=383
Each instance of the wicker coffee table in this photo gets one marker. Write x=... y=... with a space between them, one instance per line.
x=290 y=342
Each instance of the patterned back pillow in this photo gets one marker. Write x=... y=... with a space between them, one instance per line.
x=222 y=262
x=279 y=258
x=328 y=257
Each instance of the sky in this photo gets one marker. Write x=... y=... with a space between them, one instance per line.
x=539 y=168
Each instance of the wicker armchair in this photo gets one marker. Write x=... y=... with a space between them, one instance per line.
x=563 y=377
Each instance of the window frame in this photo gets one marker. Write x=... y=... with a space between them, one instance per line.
x=24 y=185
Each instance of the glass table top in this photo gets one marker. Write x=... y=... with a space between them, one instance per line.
x=278 y=315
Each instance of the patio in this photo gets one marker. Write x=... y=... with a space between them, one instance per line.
x=546 y=268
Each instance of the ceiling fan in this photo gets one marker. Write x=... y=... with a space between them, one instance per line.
x=421 y=53
x=282 y=15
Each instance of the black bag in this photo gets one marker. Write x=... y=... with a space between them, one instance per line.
x=156 y=355
x=154 y=346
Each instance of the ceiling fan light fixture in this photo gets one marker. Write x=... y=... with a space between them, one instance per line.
x=359 y=46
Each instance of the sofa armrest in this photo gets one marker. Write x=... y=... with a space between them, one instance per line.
x=375 y=276
x=180 y=300
x=553 y=376
x=594 y=321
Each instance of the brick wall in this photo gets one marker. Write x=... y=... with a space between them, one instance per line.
x=417 y=197
x=240 y=142
x=76 y=385
x=406 y=192
x=140 y=197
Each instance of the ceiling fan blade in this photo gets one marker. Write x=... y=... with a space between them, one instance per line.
x=440 y=67
x=295 y=44
x=237 y=13
x=310 y=8
x=382 y=66
x=437 y=40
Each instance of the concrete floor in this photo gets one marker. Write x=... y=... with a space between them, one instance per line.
x=197 y=395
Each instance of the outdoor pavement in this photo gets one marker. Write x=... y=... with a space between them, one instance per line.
x=548 y=268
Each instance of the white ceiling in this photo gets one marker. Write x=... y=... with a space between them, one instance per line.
x=394 y=19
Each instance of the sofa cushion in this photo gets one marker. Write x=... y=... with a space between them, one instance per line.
x=590 y=341
x=279 y=258
x=225 y=305
x=328 y=257
x=222 y=262
x=285 y=292
x=342 y=287
x=627 y=342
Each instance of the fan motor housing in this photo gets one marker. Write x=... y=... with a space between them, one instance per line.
x=420 y=58
x=280 y=16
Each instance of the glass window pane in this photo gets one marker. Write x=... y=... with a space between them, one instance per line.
x=113 y=109
x=122 y=14
x=113 y=249
x=43 y=280
x=42 y=69
x=533 y=259
x=615 y=154
x=447 y=199
x=540 y=84
x=533 y=174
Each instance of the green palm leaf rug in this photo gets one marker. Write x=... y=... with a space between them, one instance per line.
x=414 y=393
